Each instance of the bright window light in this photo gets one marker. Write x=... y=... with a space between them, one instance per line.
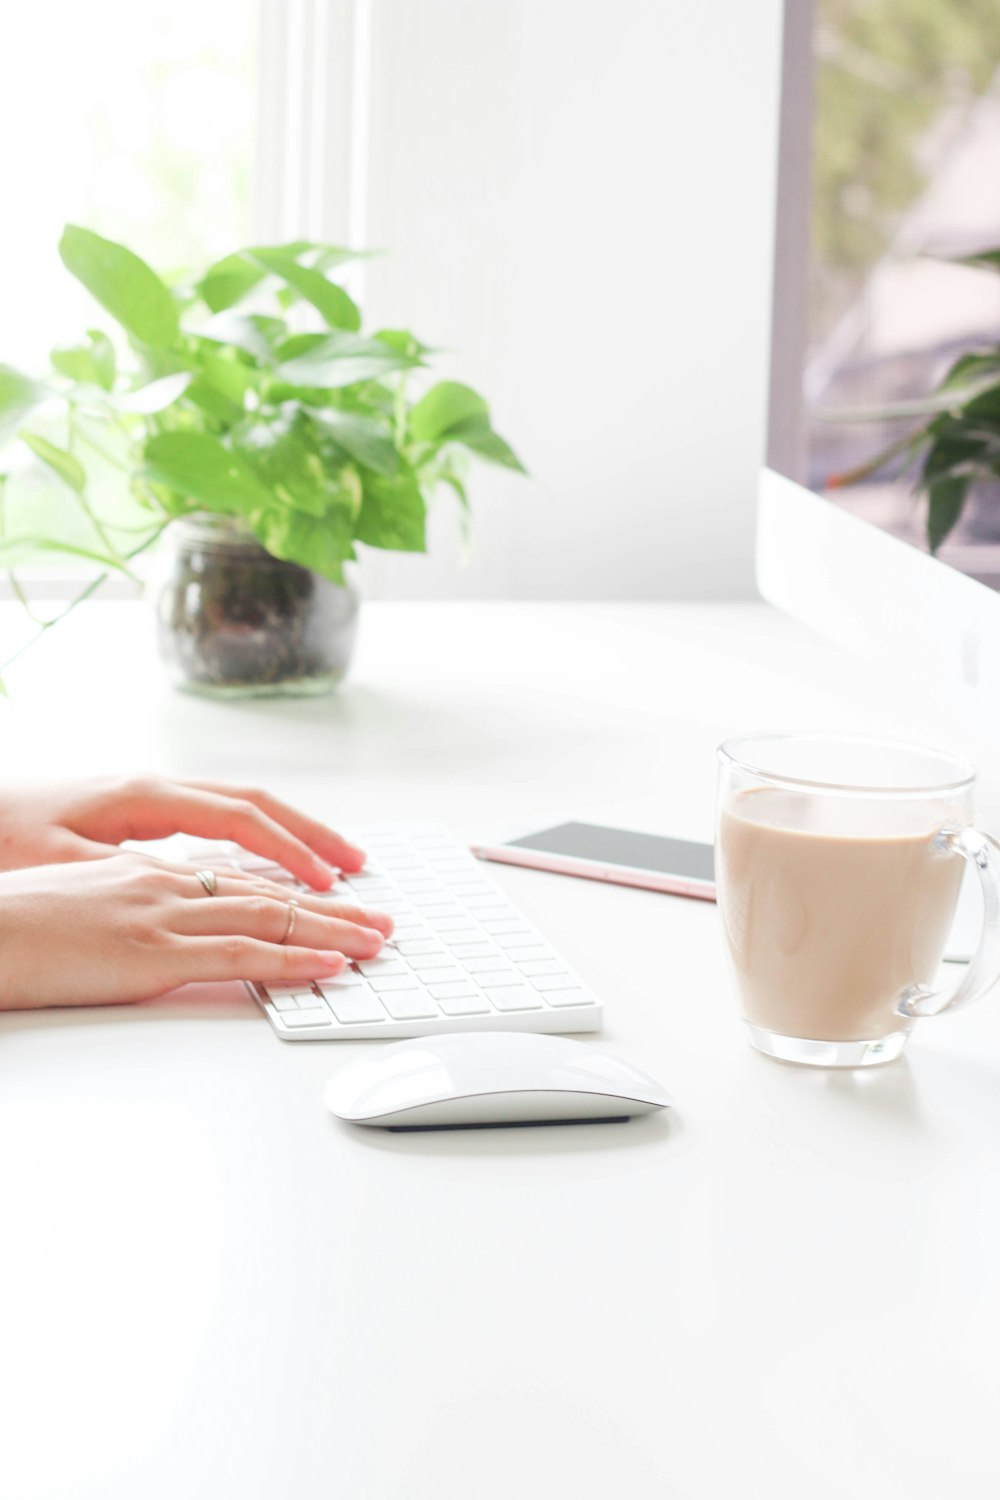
x=137 y=120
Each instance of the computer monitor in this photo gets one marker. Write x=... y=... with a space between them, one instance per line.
x=935 y=630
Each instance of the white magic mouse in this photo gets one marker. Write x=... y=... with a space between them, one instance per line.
x=489 y=1078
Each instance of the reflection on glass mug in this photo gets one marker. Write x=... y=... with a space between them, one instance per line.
x=838 y=865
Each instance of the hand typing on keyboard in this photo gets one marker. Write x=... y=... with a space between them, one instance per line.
x=462 y=956
x=45 y=825
x=101 y=927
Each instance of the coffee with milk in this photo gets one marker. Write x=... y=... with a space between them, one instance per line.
x=832 y=908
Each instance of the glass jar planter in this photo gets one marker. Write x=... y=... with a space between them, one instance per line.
x=235 y=622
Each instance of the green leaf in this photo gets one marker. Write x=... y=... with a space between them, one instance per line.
x=403 y=342
x=200 y=468
x=480 y=438
x=945 y=498
x=952 y=452
x=92 y=363
x=337 y=308
x=229 y=281
x=340 y=359
x=446 y=405
x=252 y=332
x=985 y=407
x=324 y=257
x=951 y=398
x=298 y=344
x=299 y=465
x=18 y=549
x=69 y=469
x=233 y=277
x=971 y=366
x=156 y=396
x=220 y=387
x=455 y=484
x=454 y=413
x=988 y=260
x=365 y=438
x=122 y=283
x=393 y=513
x=18 y=394
x=322 y=544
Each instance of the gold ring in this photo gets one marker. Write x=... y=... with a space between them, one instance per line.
x=293 y=907
x=209 y=881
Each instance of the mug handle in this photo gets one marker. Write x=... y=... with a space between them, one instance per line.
x=979 y=851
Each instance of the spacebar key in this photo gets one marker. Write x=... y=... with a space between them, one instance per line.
x=354 y=1007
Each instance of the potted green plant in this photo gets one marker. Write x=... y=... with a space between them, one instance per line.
x=954 y=451
x=244 y=408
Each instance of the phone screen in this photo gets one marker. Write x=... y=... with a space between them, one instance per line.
x=617 y=846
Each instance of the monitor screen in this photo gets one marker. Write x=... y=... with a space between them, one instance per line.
x=887 y=287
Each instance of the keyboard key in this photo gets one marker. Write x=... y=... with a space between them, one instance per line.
x=382 y=984
x=426 y=962
x=511 y=925
x=417 y=947
x=345 y=980
x=515 y=997
x=498 y=976
x=452 y=919
x=457 y=990
x=282 y=1003
x=444 y=973
x=409 y=1005
x=570 y=997
x=467 y=951
x=307 y=1018
x=388 y=965
x=561 y=981
x=525 y=952
x=481 y=965
x=536 y=967
x=357 y=1008
x=298 y=992
x=464 y=934
x=465 y=1005
x=519 y=942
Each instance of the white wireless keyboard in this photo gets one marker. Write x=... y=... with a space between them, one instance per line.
x=461 y=957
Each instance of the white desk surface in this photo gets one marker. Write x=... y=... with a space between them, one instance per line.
x=212 y=1290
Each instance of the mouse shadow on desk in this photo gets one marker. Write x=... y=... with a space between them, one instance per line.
x=562 y=1138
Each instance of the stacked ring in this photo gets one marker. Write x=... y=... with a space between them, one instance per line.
x=293 y=907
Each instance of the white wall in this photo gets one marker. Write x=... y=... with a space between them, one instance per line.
x=578 y=197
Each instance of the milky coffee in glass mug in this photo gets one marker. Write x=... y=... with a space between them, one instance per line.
x=838 y=866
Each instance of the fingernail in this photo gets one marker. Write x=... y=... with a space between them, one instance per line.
x=378 y=938
x=381 y=917
x=332 y=961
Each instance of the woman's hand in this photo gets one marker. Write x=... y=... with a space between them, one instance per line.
x=129 y=927
x=88 y=820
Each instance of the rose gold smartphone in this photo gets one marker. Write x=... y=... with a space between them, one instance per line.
x=616 y=854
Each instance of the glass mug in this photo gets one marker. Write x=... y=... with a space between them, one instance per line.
x=838 y=867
